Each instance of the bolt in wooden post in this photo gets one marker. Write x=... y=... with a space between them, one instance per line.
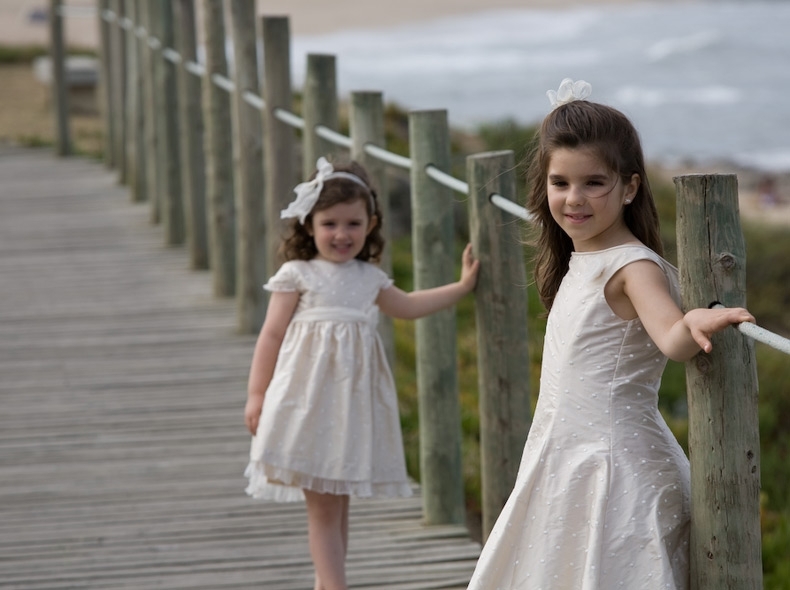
x=437 y=380
x=248 y=156
x=320 y=108
x=218 y=150
x=724 y=442
x=193 y=168
x=366 y=122
x=279 y=138
x=501 y=319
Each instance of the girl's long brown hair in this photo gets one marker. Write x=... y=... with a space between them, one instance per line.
x=615 y=140
x=299 y=244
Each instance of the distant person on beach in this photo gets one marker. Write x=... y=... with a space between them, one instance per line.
x=601 y=500
x=767 y=195
x=321 y=402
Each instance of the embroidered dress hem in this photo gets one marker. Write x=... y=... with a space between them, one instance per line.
x=267 y=482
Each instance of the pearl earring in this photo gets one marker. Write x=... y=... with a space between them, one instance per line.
x=627 y=201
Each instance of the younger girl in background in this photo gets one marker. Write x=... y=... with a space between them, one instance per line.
x=321 y=401
x=601 y=501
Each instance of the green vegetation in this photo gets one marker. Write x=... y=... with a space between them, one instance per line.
x=767 y=295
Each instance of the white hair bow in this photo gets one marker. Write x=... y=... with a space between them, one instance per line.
x=307 y=193
x=568 y=92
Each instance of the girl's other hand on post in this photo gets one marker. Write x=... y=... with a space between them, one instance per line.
x=469 y=268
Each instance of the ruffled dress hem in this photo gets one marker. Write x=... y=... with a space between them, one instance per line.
x=277 y=484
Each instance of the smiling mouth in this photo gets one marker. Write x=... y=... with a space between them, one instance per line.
x=577 y=218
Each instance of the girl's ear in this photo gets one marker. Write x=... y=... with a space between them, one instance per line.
x=632 y=188
x=308 y=227
x=374 y=221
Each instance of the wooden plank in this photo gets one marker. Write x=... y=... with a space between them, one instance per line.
x=122 y=445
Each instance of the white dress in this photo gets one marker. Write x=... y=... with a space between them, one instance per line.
x=330 y=420
x=601 y=500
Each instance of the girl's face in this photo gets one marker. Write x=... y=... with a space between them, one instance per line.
x=340 y=231
x=586 y=199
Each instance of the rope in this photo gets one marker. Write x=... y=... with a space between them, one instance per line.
x=386 y=156
x=755 y=332
x=254 y=100
x=447 y=180
x=289 y=118
x=333 y=136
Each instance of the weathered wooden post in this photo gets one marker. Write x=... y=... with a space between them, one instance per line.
x=248 y=156
x=135 y=147
x=279 y=138
x=172 y=204
x=437 y=380
x=501 y=319
x=105 y=85
x=193 y=165
x=366 y=123
x=724 y=444
x=118 y=73
x=218 y=150
x=58 y=88
x=320 y=107
x=149 y=64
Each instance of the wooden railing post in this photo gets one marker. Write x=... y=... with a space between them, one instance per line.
x=220 y=207
x=366 y=123
x=724 y=443
x=105 y=84
x=148 y=65
x=320 y=108
x=172 y=204
x=135 y=146
x=58 y=89
x=248 y=157
x=437 y=380
x=193 y=166
x=118 y=74
x=501 y=319
x=279 y=138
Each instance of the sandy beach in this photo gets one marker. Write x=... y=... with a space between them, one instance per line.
x=23 y=22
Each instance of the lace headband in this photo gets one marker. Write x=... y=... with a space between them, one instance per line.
x=307 y=193
x=569 y=91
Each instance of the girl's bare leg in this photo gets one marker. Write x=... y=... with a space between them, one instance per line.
x=326 y=514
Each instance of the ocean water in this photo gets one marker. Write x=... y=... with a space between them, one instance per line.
x=702 y=81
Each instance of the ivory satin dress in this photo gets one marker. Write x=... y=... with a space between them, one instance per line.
x=330 y=420
x=601 y=500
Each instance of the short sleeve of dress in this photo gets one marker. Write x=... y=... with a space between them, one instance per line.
x=286 y=278
x=381 y=279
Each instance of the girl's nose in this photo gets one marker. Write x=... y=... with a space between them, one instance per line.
x=575 y=196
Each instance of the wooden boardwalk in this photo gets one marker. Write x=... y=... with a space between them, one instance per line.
x=122 y=385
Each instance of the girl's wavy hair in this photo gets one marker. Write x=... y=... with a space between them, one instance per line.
x=299 y=245
x=614 y=139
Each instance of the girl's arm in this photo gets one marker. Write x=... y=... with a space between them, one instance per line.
x=278 y=315
x=408 y=306
x=679 y=336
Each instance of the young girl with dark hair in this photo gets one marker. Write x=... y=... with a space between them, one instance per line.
x=601 y=500
x=321 y=402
